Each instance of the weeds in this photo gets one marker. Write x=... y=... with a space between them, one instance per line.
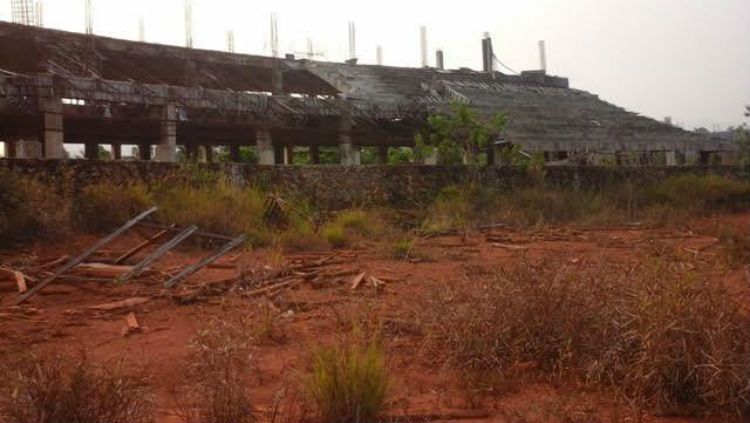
x=661 y=336
x=218 y=370
x=349 y=381
x=63 y=388
x=102 y=207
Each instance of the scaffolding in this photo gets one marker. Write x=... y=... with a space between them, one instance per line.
x=22 y=11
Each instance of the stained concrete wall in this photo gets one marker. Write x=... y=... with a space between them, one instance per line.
x=341 y=186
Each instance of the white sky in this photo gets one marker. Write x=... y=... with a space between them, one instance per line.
x=689 y=59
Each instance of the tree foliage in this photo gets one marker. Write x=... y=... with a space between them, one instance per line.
x=461 y=133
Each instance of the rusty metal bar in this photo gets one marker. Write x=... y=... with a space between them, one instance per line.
x=133 y=251
x=151 y=258
x=197 y=233
x=186 y=272
x=77 y=260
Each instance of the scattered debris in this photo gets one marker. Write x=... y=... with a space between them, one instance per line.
x=101 y=270
x=130 y=302
x=357 y=281
x=131 y=325
x=19 y=277
x=509 y=246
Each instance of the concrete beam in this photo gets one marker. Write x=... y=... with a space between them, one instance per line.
x=52 y=127
x=166 y=150
x=264 y=146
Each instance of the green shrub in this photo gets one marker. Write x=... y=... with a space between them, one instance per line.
x=335 y=236
x=349 y=381
x=699 y=194
x=103 y=207
x=451 y=210
x=402 y=249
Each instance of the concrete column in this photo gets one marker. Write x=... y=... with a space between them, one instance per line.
x=116 y=151
x=166 y=150
x=52 y=127
x=209 y=153
x=10 y=149
x=91 y=151
x=201 y=156
x=350 y=152
x=28 y=149
x=264 y=146
x=191 y=151
x=234 y=153
x=431 y=158
x=144 y=151
x=382 y=154
x=288 y=154
x=315 y=154
x=671 y=157
x=278 y=154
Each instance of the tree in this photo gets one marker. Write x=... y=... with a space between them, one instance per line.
x=459 y=136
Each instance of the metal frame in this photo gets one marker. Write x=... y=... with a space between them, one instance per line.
x=189 y=270
x=151 y=258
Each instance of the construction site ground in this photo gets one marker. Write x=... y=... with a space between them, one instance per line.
x=311 y=297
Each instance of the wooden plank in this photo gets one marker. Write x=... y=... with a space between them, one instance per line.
x=130 y=302
x=177 y=279
x=80 y=258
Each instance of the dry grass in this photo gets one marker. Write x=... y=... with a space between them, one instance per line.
x=219 y=369
x=103 y=207
x=57 y=388
x=30 y=209
x=660 y=335
x=349 y=381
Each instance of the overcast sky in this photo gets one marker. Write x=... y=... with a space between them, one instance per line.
x=689 y=59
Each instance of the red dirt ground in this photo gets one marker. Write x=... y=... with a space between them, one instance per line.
x=59 y=318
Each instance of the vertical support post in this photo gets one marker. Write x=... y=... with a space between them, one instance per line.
x=234 y=153
x=52 y=127
x=166 y=150
x=671 y=157
x=315 y=154
x=191 y=151
x=289 y=154
x=278 y=154
x=10 y=149
x=350 y=152
x=91 y=150
x=264 y=145
x=209 y=153
x=431 y=158
x=439 y=60
x=144 y=151
x=382 y=154
x=116 y=151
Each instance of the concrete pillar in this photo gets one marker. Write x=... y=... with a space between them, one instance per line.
x=10 y=149
x=209 y=153
x=201 y=156
x=431 y=158
x=52 y=127
x=28 y=149
x=264 y=146
x=278 y=154
x=671 y=158
x=144 y=151
x=350 y=152
x=166 y=150
x=314 y=154
x=288 y=154
x=234 y=153
x=382 y=154
x=116 y=151
x=91 y=151
x=191 y=151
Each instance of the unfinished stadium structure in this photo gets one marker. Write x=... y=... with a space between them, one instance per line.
x=61 y=88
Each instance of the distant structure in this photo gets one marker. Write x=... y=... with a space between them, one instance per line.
x=39 y=14
x=274 y=41
x=61 y=88
x=22 y=11
x=230 y=41
x=379 y=55
x=141 y=29
x=89 y=17
x=352 y=42
x=189 y=23
x=542 y=56
x=423 y=46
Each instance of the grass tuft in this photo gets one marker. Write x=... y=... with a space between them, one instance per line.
x=349 y=381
